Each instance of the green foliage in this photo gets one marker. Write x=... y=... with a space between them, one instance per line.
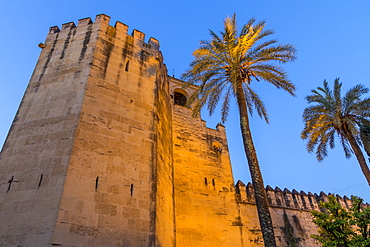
x=339 y=227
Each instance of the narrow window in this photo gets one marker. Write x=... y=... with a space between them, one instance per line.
x=217 y=147
x=96 y=183
x=179 y=99
x=205 y=181
x=132 y=189
x=40 y=181
x=127 y=65
x=10 y=183
x=213 y=182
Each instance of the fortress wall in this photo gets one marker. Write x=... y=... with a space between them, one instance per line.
x=206 y=209
x=36 y=154
x=290 y=212
x=98 y=155
x=110 y=196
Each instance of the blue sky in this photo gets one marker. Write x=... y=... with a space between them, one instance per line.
x=331 y=36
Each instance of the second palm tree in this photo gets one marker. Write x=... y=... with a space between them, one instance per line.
x=329 y=113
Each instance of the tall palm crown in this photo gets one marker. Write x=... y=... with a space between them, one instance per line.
x=231 y=59
x=331 y=114
x=225 y=67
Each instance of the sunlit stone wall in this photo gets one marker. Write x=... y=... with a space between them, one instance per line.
x=104 y=151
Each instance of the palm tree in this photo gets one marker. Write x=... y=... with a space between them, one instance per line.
x=333 y=114
x=225 y=67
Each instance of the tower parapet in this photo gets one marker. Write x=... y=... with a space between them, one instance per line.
x=118 y=31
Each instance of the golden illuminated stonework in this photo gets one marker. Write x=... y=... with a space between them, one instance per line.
x=104 y=151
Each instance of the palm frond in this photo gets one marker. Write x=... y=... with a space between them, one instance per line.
x=329 y=114
x=274 y=75
x=346 y=146
x=365 y=135
x=229 y=58
x=226 y=106
x=255 y=99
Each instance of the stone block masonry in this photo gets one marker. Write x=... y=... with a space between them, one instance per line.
x=104 y=151
x=206 y=210
x=82 y=163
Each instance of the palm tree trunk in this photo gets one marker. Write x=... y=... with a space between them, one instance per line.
x=359 y=155
x=259 y=188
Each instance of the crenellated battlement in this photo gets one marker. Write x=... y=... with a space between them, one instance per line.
x=289 y=199
x=118 y=31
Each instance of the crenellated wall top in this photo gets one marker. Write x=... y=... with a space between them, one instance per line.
x=119 y=30
x=289 y=199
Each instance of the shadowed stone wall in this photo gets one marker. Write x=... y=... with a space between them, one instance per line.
x=111 y=187
x=37 y=152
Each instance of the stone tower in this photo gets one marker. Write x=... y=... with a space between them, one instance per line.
x=88 y=159
x=206 y=210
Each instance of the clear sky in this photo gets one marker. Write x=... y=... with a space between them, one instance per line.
x=332 y=38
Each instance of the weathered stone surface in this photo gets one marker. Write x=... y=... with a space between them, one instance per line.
x=206 y=208
x=103 y=152
x=89 y=124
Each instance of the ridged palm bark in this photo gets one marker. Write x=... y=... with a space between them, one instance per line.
x=333 y=114
x=254 y=168
x=225 y=67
